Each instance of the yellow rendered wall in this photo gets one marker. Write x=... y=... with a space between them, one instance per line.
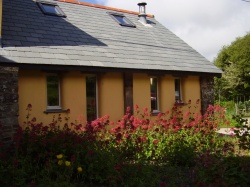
x=32 y=90
x=111 y=96
x=191 y=90
x=73 y=94
x=141 y=91
x=166 y=93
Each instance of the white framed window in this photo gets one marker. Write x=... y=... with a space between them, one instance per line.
x=121 y=19
x=50 y=8
x=178 y=94
x=154 y=96
x=53 y=92
x=91 y=97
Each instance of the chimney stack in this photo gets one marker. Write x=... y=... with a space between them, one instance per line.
x=142 y=12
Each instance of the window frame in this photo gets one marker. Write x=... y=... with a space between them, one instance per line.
x=179 y=99
x=55 y=107
x=96 y=95
x=128 y=24
x=40 y=4
x=157 y=110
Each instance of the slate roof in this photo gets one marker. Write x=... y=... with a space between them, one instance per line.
x=88 y=37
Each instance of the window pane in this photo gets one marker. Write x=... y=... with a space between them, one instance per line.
x=177 y=90
x=91 y=98
x=50 y=9
x=53 y=91
x=154 y=94
x=122 y=20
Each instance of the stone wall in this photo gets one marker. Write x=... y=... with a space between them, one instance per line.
x=8 y=103
x=207 y=92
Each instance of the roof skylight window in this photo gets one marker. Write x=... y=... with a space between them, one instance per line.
x=121 y=19
x=50 y=8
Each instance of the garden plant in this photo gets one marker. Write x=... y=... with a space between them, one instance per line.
x=174 y=148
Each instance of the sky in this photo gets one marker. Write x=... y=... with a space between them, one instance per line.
x=206 y=25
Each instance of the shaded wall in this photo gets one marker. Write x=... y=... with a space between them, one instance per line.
x=207 y=92
x=8 y=103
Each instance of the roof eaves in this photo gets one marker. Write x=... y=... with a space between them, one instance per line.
x=102 y=7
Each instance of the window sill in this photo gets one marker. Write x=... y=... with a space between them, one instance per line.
x=180 y=104
x=55 y=111
x=155 y=112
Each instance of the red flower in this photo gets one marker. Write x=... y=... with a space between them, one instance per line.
x=156 y=141
x=127 y=135
x=176 y=129
x=167 y=112
x=198 y=101
x=29 y=107
x=118 y=136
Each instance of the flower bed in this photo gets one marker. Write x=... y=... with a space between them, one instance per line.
x=172 y=149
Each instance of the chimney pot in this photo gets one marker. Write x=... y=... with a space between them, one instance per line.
x=142 y=12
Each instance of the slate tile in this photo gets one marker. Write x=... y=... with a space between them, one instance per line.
x=33 y=55
x=48 y=55
x=32 y=39
x=61 y=56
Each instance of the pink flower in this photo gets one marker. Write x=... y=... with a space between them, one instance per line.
x=159 y=115
x=131 y=118
x=136 y=106
x=186 y=114
x=128 y=109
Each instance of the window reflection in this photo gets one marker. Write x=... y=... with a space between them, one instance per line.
x=53 y=91
x=154 y=93
x=91 y=98
x=178 y=90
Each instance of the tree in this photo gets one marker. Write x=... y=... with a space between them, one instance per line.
x=234 y=60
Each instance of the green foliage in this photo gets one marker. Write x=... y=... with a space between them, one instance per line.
x=171 y=149
x=234 y=60
x=242 y=132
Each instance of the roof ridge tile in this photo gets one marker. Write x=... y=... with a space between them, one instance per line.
x=102 y=7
